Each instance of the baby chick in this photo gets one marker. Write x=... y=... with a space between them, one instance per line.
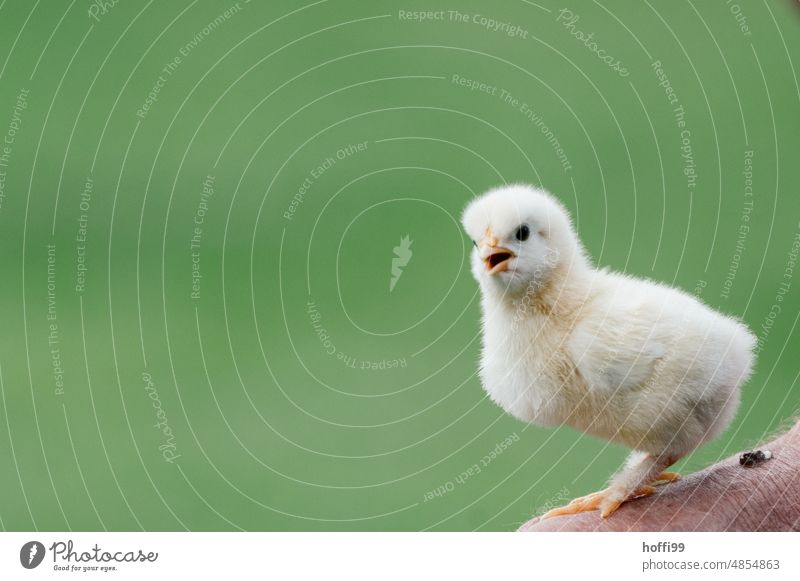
x=626 y=359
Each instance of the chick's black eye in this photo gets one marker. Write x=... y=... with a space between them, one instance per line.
x=523 y=232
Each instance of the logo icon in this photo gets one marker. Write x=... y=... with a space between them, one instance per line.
x=402 y=255
x=31 y=554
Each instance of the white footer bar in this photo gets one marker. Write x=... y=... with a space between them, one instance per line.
x=402 y=556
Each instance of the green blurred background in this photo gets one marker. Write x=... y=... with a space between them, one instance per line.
x=294 y=390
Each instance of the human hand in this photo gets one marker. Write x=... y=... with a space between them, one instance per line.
x=722 y=497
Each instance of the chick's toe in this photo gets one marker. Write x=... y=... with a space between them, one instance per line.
x=667 y=477
x=581 y=504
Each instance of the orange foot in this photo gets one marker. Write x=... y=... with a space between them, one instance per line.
x=666 y=477
x=593 y=502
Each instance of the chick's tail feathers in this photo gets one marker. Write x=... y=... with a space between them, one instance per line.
x=733 y=373
x=748 y=346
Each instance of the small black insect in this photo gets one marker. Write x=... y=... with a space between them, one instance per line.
x=749 y=459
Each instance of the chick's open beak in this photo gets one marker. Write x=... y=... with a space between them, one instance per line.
x=494 y=256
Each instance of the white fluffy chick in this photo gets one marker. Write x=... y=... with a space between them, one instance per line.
x=626 y=359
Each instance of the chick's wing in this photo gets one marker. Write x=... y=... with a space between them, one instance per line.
x=619 y=344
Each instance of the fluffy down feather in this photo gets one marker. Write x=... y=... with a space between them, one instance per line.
x=626 y=359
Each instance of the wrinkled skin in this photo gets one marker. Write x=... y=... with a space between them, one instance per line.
x=722 y=497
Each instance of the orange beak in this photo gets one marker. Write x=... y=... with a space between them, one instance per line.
x=494 y=256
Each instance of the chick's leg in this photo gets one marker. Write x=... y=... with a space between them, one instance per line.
x=633 y=481
x=640 y=469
